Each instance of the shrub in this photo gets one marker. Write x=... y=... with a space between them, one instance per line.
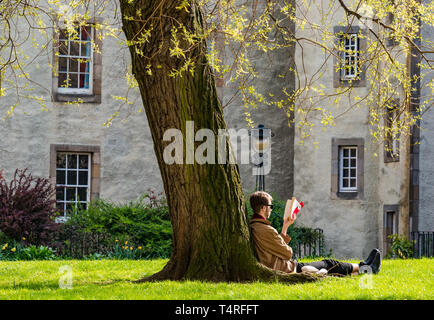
x=33 y=252
x=143 y=223
x=27 y=209
x=401 y=247
x=17 y=251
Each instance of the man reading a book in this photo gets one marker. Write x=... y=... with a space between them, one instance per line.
x=274 y=252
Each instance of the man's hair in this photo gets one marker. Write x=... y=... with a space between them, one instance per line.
x=259 y=199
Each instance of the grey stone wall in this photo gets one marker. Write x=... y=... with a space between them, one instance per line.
x=426 y=163
x=128 y=162
x=273 y=75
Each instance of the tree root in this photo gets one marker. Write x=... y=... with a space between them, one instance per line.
x=258 y=273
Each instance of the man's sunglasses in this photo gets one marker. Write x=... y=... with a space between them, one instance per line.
x=270 y=205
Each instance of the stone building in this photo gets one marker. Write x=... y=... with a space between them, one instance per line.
x=347 y=191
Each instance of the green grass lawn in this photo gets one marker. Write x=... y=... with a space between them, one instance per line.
x=108 y=279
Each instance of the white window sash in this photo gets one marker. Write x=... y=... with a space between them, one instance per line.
x=66 y=184
x=79 y=90
x=353 y=44
x=341 y=170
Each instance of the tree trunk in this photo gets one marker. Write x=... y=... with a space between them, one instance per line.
x=211 y=239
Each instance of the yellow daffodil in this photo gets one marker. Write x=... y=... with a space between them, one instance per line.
x=126 y=242
x=116 y=240
x=14 y=249
x=140 y=248
x=131 y=248
x=24 y=238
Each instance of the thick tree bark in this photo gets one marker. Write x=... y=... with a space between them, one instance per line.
x=211 y=239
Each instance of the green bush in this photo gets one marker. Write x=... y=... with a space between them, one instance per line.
x=401 y=247
x=36 y=253
x=143 y=223
x=17 y=251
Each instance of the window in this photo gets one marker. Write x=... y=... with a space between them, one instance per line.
x=350 y=57
x=391 y=134
x=78 y=64
x=75 y=171
x=350 y=42
x=347 y=169
x=75 y=61
x=72 y=181
x=347 y=159
x=390 y=224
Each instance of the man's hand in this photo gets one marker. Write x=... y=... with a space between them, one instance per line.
x=287 y=222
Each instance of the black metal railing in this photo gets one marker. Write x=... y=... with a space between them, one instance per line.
x=310 y=247
x=423 y=245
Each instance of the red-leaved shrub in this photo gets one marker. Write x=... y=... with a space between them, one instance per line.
x=27 y=209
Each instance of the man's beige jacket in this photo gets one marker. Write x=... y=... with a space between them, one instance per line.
x=271 y=247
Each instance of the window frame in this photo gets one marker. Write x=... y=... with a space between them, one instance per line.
x=336 y=192
x=91 y=96
x=66 y=185
x=360 y=79
x=394 y=228
x=342 y=159
x=89 y=90
x=355 y=55
x=94 y=166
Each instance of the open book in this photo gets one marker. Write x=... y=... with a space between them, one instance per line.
x=292 y=208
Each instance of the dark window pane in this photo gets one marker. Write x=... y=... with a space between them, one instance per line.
x=346 y=162
x=72 y=161
x=62 y=64
x=353 y=163
x=60 y=177
x=85 y=49
x=353 y=172
x=84 y=80
x=69 y=207
x=74 y=48
x=353 y=183
x=73 y=80
x=345 y=183
x=85 y=33
x=345 y=152
x=83 y=161
x=73 y=65
x=345 y=174
x=83 y=178
x=63 y=80
x=72 y=177
x=63 y=47
x=84 y=65
x=60 y=160
x=353 y=153
x=82 y=194
x=70 y=194
x=60 y=193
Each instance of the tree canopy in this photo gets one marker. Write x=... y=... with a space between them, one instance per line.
x=233 y=31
